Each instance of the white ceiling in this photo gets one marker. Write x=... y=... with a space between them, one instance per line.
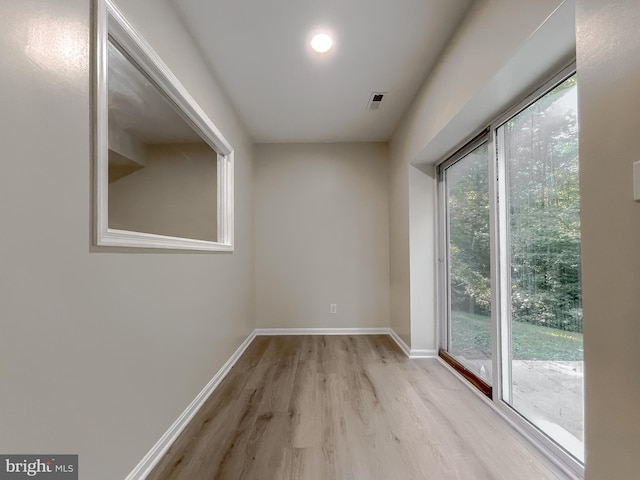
x=284 y=92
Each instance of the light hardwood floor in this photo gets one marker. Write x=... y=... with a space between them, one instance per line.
x=345 y=407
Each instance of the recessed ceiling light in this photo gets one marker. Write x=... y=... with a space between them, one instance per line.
x=321 y=43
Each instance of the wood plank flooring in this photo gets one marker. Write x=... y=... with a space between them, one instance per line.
x=345 y=407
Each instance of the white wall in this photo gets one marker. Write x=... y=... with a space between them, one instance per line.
x=499 y=52
x=422 y=244
x=322 y=235
x=100 y=351
x=608 y=42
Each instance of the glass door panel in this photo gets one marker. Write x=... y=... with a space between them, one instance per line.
x=469 y=281
x=542 y=358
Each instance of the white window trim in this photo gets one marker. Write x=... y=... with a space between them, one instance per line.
x=110 y=23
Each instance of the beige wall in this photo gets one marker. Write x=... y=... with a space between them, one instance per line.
x=174 y=194
x=100 y=351
x=498 y=53
x=608 y=42
x=322 y=235
x=399 y=280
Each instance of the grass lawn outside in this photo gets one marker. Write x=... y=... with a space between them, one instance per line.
x=472 y=340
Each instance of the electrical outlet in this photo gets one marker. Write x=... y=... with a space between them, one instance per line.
x=333 y=308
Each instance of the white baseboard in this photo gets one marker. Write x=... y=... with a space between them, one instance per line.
x=411 y=352
x=321 y=331
x=154 y=455
x=418 y=353
x=403 y=346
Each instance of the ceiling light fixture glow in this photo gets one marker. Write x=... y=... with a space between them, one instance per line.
x=321 y=43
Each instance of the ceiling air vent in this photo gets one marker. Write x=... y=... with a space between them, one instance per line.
x=375 y=100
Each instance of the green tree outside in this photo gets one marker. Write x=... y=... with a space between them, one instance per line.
x=541 y=150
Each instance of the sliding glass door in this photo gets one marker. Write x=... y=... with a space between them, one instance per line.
x=468 y=275
x=542 y=359
x=510 y=221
